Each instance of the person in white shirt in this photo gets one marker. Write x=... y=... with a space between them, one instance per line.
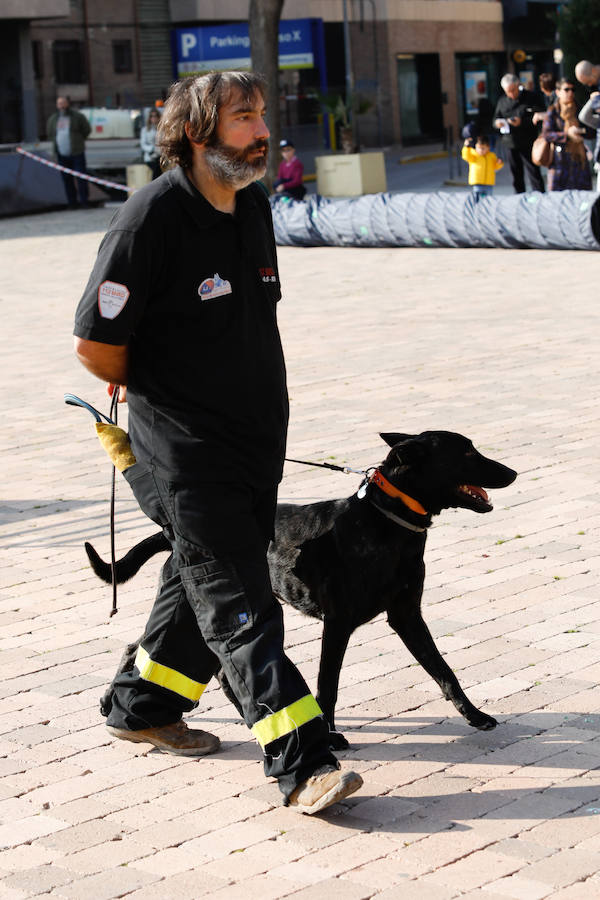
x=150 y=153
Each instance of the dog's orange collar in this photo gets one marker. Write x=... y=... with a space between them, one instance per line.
x=388 y=488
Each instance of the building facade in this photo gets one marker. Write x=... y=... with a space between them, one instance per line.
x=421 y=65
x=18 y=107
x=531 y=39
x=439 y=59
x=105 y=53
x=417 y=69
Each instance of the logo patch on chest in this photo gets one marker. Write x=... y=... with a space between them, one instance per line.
x=214 y=287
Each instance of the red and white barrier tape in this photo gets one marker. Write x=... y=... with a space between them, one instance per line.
x=53 y=165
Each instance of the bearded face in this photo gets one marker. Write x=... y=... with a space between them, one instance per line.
x=234 y=167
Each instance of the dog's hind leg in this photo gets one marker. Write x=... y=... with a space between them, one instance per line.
x=333 y=647
x=417 y=638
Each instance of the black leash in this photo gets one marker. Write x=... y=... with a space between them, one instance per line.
x=345 y=469
x=111 y=419
x=114 y=414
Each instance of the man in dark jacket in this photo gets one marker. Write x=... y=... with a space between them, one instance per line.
x=68 y=129
x=513 y=118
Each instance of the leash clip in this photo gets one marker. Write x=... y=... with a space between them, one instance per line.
x=362 y=489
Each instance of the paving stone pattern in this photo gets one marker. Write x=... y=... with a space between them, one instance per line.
x=500 y=345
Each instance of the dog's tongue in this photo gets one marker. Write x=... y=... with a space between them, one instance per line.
x=479 y=491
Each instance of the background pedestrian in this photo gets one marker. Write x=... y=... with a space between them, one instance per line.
x=68 y=129
x=150 y=151
x=570 y=168
x=290 y=173
x=513 y=118
x=547 y=82
x=590 y=116
x=588 y=74
x=483 y=165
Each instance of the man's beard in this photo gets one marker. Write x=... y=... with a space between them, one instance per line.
x=234 y=167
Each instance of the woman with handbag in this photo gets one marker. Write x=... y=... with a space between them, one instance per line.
x=569 y=168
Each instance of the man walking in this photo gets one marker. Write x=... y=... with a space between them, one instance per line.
x=68 y=129
x=181 y=308
x=513 y=119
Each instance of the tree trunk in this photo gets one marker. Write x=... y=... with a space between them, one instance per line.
x=264 y=18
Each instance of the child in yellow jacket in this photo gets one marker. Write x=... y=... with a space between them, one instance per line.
x=483 y=165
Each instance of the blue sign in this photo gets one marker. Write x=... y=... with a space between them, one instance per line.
x=220 y=47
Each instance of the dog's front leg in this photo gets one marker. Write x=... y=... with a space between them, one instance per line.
x=417 y=638
x=333 y=646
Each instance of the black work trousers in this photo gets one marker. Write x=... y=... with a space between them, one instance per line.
x=519 y=160
x=215 y=608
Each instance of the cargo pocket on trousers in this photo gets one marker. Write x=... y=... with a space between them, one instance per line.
x=218 y=599
x=141 y=481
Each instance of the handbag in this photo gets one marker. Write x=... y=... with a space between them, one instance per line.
x=542 y=152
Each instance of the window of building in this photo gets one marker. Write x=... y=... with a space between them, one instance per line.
x=69 y=62
x=122 y=56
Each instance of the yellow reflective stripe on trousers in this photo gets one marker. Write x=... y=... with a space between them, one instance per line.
x=166 y=677
x=286 y=720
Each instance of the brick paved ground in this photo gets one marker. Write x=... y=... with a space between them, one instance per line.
x=501 y=345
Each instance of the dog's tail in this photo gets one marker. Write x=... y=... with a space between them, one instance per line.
x=133 y=560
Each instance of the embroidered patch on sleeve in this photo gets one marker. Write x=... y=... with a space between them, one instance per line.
x=112 y=297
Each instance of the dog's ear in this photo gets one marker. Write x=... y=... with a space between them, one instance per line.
x=411 y=451
x=392 y=437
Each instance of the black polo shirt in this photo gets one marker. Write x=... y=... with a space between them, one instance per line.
x=193 y=292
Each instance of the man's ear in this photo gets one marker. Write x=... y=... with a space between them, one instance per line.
x=190 y=136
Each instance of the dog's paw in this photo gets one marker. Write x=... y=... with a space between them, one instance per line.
x=483 y=722
x=337 y=741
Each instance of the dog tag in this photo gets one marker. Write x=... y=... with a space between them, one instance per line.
x=362 y=491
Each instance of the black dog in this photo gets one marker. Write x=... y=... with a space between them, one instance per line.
x=346 y=561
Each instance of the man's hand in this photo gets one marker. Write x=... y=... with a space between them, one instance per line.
x=122 y=392
x=515 y=121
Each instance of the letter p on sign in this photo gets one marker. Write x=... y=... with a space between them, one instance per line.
x=188 y=40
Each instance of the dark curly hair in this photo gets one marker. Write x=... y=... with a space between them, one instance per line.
x=198 y=101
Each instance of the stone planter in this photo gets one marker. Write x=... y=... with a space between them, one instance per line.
x=351 y=174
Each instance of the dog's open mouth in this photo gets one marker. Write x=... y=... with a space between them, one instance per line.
x=474 y=498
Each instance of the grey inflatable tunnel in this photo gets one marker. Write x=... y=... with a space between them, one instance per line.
x=561 y=220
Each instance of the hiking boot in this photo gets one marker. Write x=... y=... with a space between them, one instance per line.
x=175 y=738
x=326 y=786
